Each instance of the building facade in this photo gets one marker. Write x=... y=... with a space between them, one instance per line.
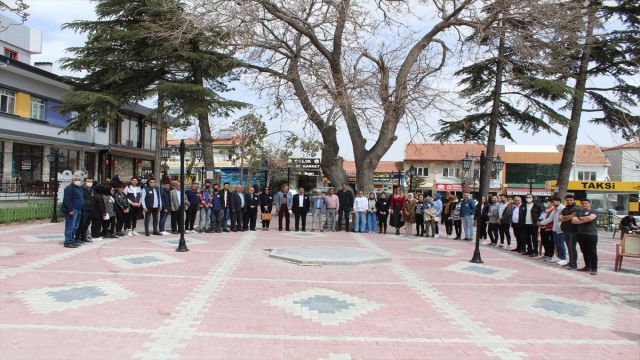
x=32 y=128
x=438 y=167
x=625 y=161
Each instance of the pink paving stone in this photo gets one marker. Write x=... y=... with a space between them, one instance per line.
x=224 y=348
x=153 y=301
x=193 y=263
x=36 y=344
x=495 y=308
x=239 y=312
x=402 y=312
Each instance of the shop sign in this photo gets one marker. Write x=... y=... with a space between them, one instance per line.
x=306 y=163
x=611 y=186
x=525 y=191
x=447 y=187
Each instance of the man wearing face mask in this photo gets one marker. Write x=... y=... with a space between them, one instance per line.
x=529 y=215
x=85 y=218
x=72 y=204
x=570 y=230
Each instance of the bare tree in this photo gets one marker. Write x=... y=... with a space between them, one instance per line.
x=366 y=66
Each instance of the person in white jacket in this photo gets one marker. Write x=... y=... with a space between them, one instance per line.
x=360 y=206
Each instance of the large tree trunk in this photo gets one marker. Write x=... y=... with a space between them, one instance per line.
x=330 y=161
x=578 y=102
x=485 y=179
x=206 y=140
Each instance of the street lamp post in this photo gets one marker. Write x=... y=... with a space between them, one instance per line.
x=55 y=157
x=531 y=181
x=466 y=165
x=166 y=153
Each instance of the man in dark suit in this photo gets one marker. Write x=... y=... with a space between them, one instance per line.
x=151 y=204
x=225 y=198
x=237 y=205
x=300 y=208
x=253 y=202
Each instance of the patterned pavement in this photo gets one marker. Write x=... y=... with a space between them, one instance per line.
x=136 y=298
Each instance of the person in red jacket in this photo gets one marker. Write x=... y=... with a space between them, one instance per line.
x=396 y=208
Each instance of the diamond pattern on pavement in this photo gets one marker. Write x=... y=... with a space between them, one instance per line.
x=136 y=261
x=483 y=270
x=561 y=308
x=437 y=250
x=325 y=306
x=49 y=299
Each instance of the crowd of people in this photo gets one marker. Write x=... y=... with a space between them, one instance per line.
x=111 y=211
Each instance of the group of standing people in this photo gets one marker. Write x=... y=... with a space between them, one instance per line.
x=111 y=211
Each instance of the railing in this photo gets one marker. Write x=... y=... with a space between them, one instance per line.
x=27 y=190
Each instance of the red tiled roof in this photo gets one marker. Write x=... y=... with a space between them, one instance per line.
x=631 y=145
x=588 y=154
x=385 y=167
x=444 y=152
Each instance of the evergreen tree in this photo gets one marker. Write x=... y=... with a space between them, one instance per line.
x=607 y=53
x=140 y=49
x=511 y=84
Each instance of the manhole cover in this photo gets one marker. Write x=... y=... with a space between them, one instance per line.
x=329 y=255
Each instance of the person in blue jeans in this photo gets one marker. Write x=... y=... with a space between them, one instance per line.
x=360 y=206
x=371 y=213
x=72 y=204
x=467 y=208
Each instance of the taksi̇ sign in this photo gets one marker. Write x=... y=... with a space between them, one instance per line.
x=611 y=186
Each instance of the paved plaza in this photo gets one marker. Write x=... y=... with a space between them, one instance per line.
x=227 y=298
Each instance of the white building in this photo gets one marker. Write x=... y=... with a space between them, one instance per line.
x=625 y=161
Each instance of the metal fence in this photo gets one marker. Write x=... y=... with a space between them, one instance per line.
x=26 y=191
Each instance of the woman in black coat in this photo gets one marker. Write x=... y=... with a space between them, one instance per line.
x=382 y=210
x=266 y=205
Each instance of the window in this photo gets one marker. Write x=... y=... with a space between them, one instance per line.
x=150 y=134
x=7 y=101
x=11 y=54
x=422 y=171
x=130 y=132
x=115 y=131
x=67 y=160
x=451 y=172
x=37 y=108
x=587 y=175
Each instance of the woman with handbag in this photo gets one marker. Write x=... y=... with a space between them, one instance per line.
x=266 y=205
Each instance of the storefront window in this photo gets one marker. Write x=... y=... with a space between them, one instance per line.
x=520 y=173
x=67 y=160
x=27 y=162
x=90 y=164
x=145 y=168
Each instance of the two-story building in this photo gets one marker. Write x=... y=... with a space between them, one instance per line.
x=625 y=161
x=438 y=167
x=32 y=128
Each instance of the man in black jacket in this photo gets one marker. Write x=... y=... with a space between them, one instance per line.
x=300 y=208
x=345 y=197
x=253 y=202
x=237 y=206
x=85 y=217
x=151 y=204
x=529 y=215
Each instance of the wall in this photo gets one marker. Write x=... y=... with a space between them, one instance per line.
x=630 y=162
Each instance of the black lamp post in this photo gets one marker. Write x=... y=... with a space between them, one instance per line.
x=531 y=180
x=411 y=172
x=466 y=165
x=55 y=157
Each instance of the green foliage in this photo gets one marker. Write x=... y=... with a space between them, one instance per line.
x=138 y=49
x=32 y=210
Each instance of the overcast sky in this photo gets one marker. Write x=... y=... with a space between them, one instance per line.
x=49 y=15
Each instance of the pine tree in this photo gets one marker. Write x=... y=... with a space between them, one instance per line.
x=511 y=84
x=608 y=53
x=140 y=49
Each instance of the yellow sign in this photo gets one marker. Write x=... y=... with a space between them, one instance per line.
x=610 y=186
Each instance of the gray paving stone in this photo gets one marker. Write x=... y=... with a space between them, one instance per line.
x=329 y=255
